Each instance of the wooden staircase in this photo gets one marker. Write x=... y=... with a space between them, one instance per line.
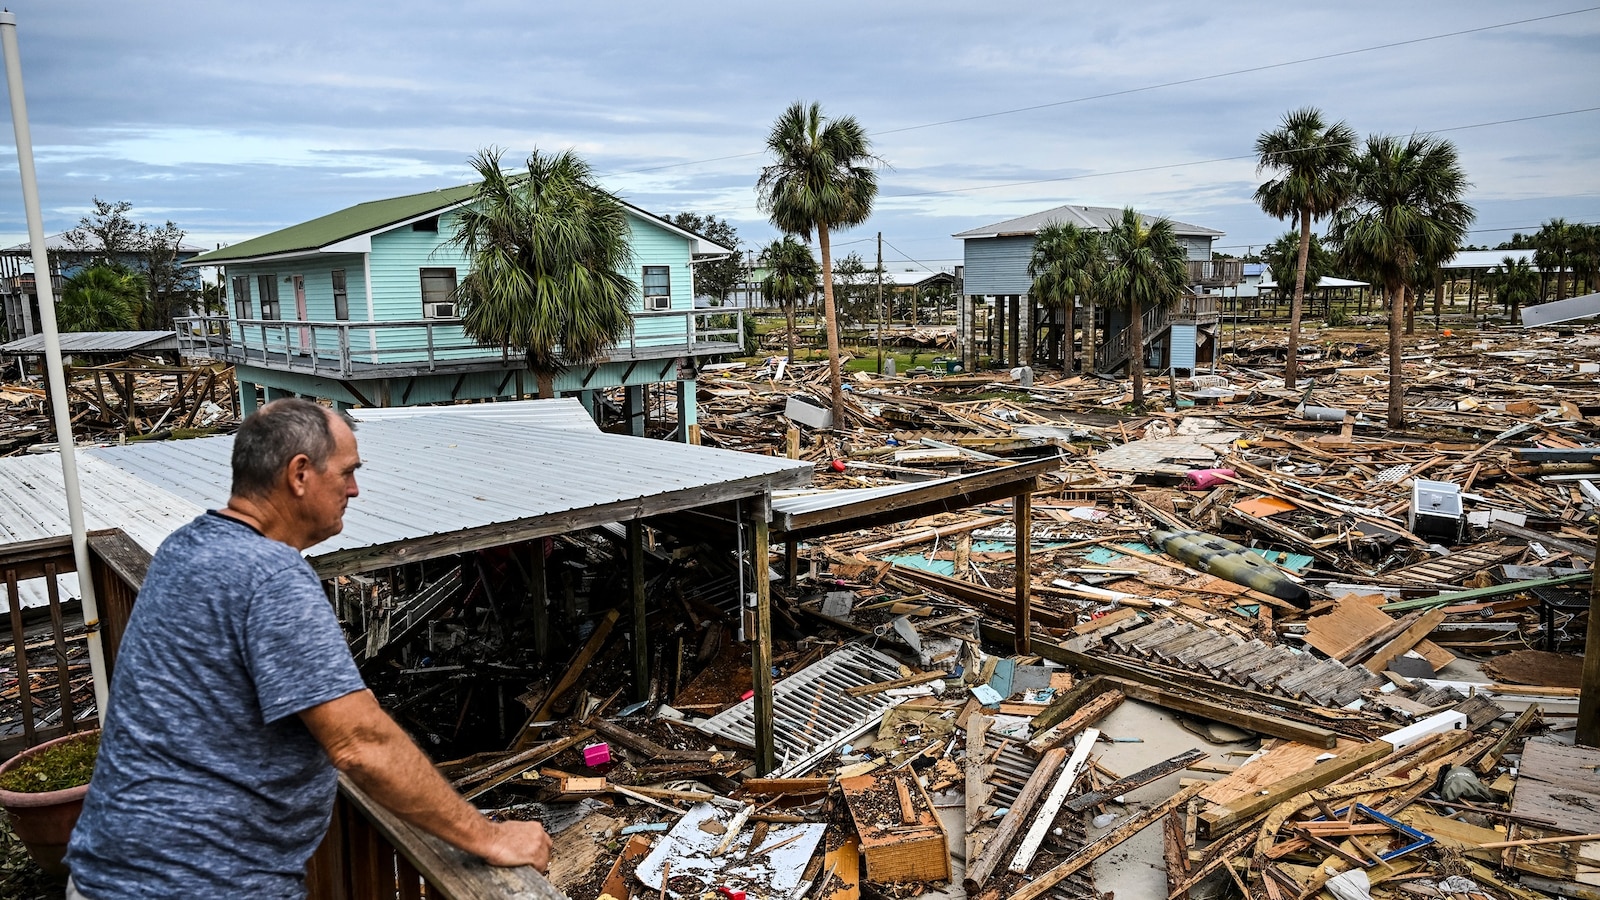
x=1112 y=353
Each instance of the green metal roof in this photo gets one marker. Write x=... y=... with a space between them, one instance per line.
x=363 y=218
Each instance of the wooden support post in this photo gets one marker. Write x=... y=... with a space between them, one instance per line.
x=641 y=646
x=1022 y=504
x=1589 y=697
x=766 y=748
x=791 y=560
x=538 y=598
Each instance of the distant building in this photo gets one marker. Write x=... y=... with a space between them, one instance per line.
x=358 y=307
x=19 y=291
x=997 y=316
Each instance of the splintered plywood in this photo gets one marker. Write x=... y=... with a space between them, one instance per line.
x=902 y=836
x=1287 y=759
x=1354 y=620
x=1561 y=784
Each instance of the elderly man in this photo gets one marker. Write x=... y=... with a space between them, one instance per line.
x=235 y=698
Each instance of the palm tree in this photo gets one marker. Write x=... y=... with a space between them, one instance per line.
x=1585 y=256
x=1311 y=163
x=1145 y=268
x=1067 y=263
x=550 y=256
x=1283 y=260
x=1405 y=206
x=1552 y=251
x=101 y=298
x=1514 y=283
x=792 y=277
x=822 y=177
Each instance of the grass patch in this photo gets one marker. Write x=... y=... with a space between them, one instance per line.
x=67 y=764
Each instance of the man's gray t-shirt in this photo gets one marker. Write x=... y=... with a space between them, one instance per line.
x=208 y=784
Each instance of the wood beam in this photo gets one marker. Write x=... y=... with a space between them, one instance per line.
x=1022 y=574
x=1589 y=695
x=766 y=747
x=641 y=642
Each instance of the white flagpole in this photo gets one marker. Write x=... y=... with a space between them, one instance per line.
x=52 y=355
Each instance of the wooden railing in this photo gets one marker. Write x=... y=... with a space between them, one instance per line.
x=1216 y=272
x=50 y=678
x=1115 y=350
x=369 y=854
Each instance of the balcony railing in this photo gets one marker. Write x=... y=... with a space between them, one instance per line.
x=357 y=349
x=1216 y=272
x=1195 y=309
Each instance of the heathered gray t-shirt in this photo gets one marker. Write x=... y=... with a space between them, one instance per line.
x=208 y=784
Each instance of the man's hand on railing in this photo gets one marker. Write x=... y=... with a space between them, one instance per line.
x=519 y=844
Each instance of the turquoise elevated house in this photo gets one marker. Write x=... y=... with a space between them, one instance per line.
x=358 y=307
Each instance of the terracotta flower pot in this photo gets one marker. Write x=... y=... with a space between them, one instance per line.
x=44 y=820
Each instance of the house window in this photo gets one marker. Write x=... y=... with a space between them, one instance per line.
x=438 y=293
x=657 y=287
x=241 y=297
x=431 y=223
x=341 y=296
x=267 y=287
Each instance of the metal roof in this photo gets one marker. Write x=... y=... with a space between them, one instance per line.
x=33 y=506
x=58 y=243
x=1485 y=259
x=459 y=469
x=565 y=413
x=1099 y=218
x=833 y=512
x=376 y=216
x=1571 y=309
x=96 y=342
x=1326 y=281
x=429 y=472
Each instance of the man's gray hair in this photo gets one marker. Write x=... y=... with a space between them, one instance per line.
x=276 y=434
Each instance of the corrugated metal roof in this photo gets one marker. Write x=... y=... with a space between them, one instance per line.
x=33 y=505
x=97 y=342
x=379 y=215
x=438 y=471
x=1100 y=218
x=1486 y=259
x=427 y=475
x=59 y=242
x=1327 y=281
x=564 y=412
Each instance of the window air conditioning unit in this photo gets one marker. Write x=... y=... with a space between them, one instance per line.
x=659 y=302
x=440 y=310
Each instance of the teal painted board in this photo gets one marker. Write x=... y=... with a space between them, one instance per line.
x=918 y=561
x=1101 y=556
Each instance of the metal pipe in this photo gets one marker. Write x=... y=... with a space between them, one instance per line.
x=56 y=377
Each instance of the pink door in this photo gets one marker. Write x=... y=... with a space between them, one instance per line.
x=300 y=313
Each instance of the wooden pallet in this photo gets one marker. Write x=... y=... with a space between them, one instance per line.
x=1457 y=566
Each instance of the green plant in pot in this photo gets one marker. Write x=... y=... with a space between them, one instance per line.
x=42 y=790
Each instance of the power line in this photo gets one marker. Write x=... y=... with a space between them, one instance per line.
x=1247 y=71
x=1203 y=162
x=908 y=257
x=1152 y=87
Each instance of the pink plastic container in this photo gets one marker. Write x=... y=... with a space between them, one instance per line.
x=596 y=755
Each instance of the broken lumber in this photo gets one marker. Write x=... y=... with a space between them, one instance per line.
x=1052 y=804
x=1219 y=818
x=1263 y=723
x=1090 y=852
x=1136 y=780
x=984 y=866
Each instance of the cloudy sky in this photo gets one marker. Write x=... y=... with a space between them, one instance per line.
x=234 y=119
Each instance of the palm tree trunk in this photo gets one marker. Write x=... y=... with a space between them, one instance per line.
x=831 y=323
x=1069 y=315
x=1397 y=390
x=1411 y=325
x=1136 y=352
x=788 y=309
x=547 y=384
x=1291 y=367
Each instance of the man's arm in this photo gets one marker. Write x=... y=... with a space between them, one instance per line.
x=371 y=750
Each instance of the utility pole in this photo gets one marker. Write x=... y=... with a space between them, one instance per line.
x=55 y=372
x=881 y=315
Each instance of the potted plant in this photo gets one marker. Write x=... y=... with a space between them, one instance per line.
x=42 y=790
